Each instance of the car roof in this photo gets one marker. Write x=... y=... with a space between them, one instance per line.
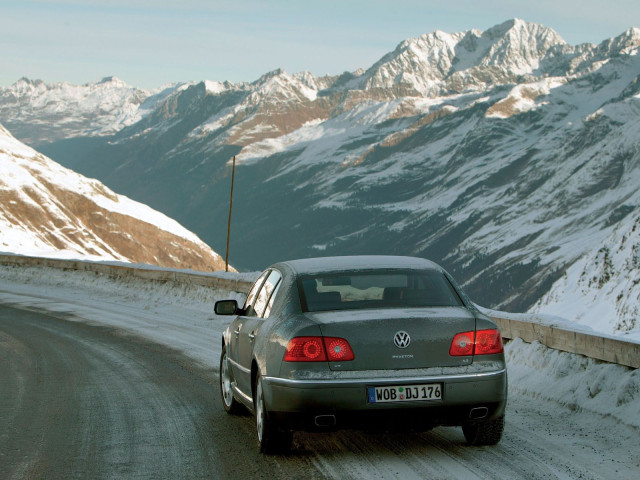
x=357 y=262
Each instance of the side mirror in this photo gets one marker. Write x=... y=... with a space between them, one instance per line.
x=226 y=307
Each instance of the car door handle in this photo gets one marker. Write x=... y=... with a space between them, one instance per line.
x=252 y=335
x=236 y=332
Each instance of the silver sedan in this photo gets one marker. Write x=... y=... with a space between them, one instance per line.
x=368 y=342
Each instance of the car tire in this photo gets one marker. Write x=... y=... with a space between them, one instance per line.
x=484 y=433
x=272 y=440
x=230 y=404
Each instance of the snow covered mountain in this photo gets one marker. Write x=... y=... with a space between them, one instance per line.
x=48 y=210
x=506 y=155
x=440 y=63
x=39 y=113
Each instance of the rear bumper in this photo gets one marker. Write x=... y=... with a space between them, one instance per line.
x=297 y=404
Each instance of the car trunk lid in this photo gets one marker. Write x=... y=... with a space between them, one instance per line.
x=397 y=338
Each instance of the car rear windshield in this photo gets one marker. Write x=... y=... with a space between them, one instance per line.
x=377 y=289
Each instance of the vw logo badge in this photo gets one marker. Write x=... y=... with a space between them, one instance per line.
x=402 y=339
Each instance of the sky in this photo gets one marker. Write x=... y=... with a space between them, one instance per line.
x=150 y=43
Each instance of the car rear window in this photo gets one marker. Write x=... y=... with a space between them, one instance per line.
x=377 y=289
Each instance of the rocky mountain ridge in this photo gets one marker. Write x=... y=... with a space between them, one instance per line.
x=39 y=113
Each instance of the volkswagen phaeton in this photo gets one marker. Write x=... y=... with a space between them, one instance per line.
x=367 y=342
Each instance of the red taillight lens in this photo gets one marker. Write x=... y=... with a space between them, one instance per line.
x=488 y=342
x=482 y=342
x=338 y=349
x=305 y=349
x=318 y=349
x=462 y=344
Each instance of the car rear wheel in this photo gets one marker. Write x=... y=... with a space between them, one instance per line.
x=230 y=404
x=270 y=438
x=484 y=433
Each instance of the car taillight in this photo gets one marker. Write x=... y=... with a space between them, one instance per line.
x=338 y=349
x=482 y=342
x=462 y=344
x=488 y=342
x=305 y=349
x=318 y=349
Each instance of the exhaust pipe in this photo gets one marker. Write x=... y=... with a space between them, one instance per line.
x=325 y=421
x=478 y=413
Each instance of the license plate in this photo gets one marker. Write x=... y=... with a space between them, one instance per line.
x=405 y=393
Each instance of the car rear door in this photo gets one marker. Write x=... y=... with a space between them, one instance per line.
x=236 y=328
x=251 y=324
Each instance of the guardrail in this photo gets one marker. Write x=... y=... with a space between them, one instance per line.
x=146 y=272
x=594 y=345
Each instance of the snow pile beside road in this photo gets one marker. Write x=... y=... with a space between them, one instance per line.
x=181 y=316
x=173 y=314
x=574 y=381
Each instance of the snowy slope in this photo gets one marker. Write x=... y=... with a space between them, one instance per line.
x=48 y=210
x=602 y=288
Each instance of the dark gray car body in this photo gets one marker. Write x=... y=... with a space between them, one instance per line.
x=322 y=395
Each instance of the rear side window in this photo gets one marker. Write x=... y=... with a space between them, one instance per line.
x=377 y=289
x=267 y=311
x=253 y=293
x=263 y=301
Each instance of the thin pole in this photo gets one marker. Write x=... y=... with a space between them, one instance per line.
x=233 y=172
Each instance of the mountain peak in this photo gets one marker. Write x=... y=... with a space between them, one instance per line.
x=269 y=75
x=25 y=84
x=279 y=85
x=28 y=81
x=435 y=63
x=111 y=81
x=518 y=47
x=625 y=43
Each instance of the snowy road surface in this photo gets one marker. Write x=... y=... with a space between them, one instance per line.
x=82 y=401
x=80 y=397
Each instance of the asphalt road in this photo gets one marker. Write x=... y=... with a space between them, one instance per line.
x=79 y=401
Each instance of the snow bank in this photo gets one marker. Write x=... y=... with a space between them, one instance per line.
x=173 y=314
x=574 y=381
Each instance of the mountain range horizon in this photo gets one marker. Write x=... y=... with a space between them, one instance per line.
x=112 y=78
